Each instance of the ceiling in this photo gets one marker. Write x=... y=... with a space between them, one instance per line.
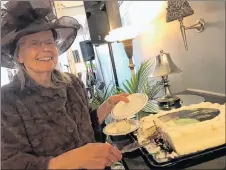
x=68 y=4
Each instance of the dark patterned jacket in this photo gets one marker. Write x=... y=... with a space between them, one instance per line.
x=39 y=123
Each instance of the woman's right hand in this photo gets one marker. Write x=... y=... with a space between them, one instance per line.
x=89 y=156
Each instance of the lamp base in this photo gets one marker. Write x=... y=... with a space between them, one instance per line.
x=128 y=46
x=169 y=102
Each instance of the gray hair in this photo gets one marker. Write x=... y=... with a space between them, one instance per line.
x=56 y=77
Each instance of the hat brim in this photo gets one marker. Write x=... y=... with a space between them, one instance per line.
x=66 y=28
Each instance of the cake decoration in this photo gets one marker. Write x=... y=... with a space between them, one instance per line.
x=184 y=117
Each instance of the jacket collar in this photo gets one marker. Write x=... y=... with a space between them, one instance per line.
x=32 y=84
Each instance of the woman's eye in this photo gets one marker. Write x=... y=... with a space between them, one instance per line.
x=50 y=42
x=34 y=43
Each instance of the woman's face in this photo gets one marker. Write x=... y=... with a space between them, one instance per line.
x=38 y=52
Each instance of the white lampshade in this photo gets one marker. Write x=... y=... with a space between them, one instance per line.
x=125 y=33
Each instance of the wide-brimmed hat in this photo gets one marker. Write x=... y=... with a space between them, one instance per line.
x=20 y=18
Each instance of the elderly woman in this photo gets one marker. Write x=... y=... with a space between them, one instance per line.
x=46 y=121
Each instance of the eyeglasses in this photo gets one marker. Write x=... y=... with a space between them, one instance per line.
x=39 y=42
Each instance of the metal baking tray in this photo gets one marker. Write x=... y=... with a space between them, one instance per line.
x=183 y=161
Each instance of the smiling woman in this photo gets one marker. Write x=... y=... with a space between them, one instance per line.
x=38 y=54
x=46 y=119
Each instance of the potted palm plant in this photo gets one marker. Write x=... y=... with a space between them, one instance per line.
x=100 y=96
x=138 y=83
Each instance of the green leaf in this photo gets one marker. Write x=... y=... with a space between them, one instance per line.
x=106 y=91
x=134 y=82
x=145 y=72
x=127 y=89
x=129 y=85
x=110 y=92
x=121 y=90
x=155 y=89
x=151 y=107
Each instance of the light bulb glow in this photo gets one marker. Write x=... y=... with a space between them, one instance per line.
x=140 y=20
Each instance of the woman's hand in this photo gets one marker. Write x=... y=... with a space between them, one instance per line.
x=113 y=100
x=108 y=105
x=100 y=155
x=90 y=156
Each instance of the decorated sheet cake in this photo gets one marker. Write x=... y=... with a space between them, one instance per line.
x=188 y=129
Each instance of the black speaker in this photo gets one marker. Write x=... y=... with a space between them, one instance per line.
x=97 y=19
x=87 y=50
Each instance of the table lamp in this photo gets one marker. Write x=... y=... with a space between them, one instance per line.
x=163 y=67
x=177 y=10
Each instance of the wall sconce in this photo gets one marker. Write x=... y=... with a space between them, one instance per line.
x=125 y=35
x=177 y=10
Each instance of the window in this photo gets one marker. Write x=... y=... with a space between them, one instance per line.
x=140 y=12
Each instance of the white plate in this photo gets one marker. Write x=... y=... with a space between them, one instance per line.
x=121 y=127
x=124 y=110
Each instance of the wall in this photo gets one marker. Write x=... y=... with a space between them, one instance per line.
x=204 y=62
x=72 y=11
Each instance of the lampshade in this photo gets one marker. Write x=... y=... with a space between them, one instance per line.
x=164 y=65
x=177 y=10
x=125 y=33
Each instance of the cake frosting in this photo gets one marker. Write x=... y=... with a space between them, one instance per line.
x=123 y=126
x=147 y=128
x=188 y=129
x=119 y=127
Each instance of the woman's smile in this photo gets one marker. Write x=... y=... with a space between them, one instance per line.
x=45 y=59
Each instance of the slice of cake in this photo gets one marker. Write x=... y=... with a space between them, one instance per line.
x=147 y=128
x=119 y=127
x=192 y=128
x=123 y=126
